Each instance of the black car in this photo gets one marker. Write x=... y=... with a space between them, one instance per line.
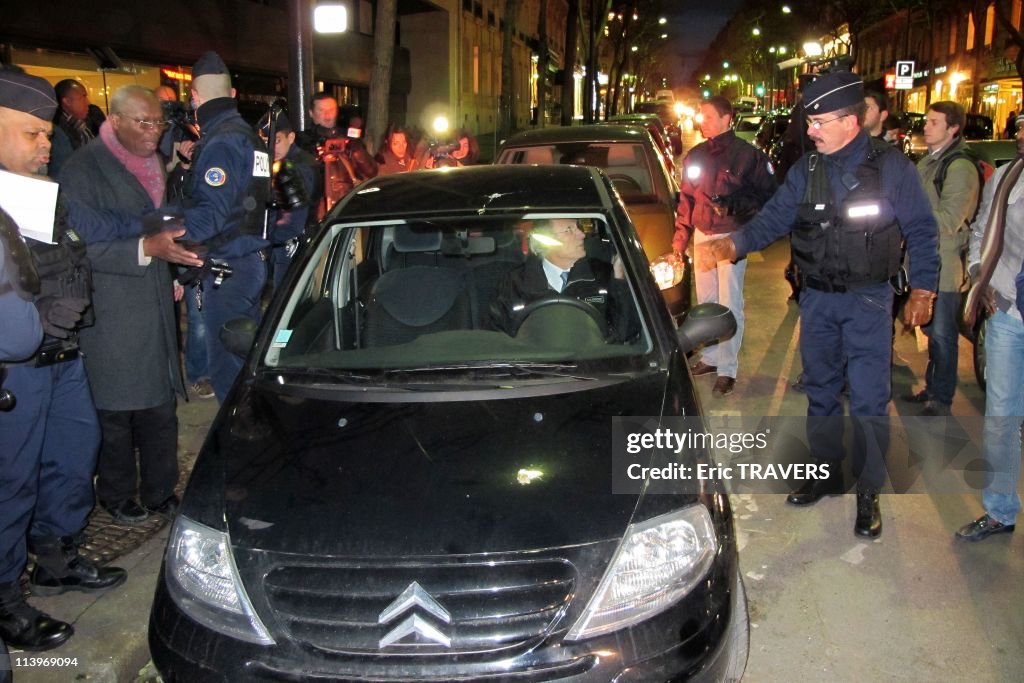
x=395 y=491
x=667 y=113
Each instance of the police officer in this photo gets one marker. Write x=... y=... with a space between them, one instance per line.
x=226 y=192
x=725 y=181
x=294 y=185
x=847 y=205
x=49 y=440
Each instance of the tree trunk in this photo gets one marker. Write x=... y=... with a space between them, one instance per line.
x=507 y=100
x=380 y=79
x=568 y=77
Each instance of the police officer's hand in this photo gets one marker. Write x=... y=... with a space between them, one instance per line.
x=60 y=315
x=710 y=253
x=162 y=246
x=917 y=310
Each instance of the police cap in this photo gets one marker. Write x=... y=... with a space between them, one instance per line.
x=209 y=63
x=833 y=91
x=26 y=93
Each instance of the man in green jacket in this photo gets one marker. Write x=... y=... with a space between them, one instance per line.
x=953 y=185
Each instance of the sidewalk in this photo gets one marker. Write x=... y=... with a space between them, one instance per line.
x=109 y=645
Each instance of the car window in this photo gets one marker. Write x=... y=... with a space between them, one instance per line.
x=456 y=292
x=747 y=124
x=626 y=163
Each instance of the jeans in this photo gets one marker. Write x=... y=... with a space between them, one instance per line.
x=723 y=285
x=1004 y=406
x=943 y=349
x=196 y=364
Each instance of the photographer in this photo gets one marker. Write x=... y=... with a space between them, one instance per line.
x=294 y=193
x=725 y=183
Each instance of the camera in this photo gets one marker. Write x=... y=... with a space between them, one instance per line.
x=182 y=128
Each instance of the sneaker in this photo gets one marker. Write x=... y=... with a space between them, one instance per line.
x=202 y=389
x=723 y=386
x=168 y=508
x=935 y=409
x=127 y=512
x=919 y=397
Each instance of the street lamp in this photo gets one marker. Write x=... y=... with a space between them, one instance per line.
x=330 y=18
x=756 y=31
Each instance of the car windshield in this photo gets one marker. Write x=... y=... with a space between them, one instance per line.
x=625 y=163
x=411 y=296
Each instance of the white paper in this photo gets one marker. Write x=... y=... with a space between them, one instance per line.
x=31 y=202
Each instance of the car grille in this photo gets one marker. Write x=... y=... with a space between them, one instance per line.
x=493 y=607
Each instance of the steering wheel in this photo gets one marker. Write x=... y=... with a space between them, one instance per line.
x=563 y=300
x=626 y=184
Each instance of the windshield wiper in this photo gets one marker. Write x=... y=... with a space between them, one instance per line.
x=516 y=370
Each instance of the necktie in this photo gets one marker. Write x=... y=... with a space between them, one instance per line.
x=565 y=280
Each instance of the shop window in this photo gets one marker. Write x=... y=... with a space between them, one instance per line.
x=970 y=31
x=990 y=24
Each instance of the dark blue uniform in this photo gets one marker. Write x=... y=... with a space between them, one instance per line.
x=48 y=443
x=848 y=333
x=225 y=209
x=289 y=225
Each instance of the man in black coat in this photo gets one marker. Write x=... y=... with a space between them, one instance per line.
x=558 y=265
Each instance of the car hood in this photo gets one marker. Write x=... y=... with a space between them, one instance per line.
x=330 y=477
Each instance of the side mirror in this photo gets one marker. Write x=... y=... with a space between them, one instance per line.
x=705 y=323
x=237 y=336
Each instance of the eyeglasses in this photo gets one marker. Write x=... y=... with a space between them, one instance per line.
x=144 y=124
x=816 y=124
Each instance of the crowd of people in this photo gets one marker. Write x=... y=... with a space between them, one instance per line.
x=151 y=212
x=89 y=348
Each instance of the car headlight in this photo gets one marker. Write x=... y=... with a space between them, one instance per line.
x=204 y=583
x=668 y=271
x=657 y=563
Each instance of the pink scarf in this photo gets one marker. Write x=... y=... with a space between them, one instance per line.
x=147 y=170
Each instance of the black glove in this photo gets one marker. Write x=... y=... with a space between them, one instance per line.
x=60 y=315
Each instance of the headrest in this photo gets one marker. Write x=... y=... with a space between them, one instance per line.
x=409 y=239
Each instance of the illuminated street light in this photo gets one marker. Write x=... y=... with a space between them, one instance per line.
x=634 y=48
x=707 y=77
x=725 y=65
x=664 y=35
x=756 y=31
x=662 y=21
x=812 y=49
x=786 y=9
x=330 y=18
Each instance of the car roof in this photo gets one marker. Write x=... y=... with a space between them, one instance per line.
x=476 y=190
x=603 y=132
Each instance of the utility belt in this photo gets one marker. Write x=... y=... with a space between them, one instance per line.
x=821 y=285
x=51 y=353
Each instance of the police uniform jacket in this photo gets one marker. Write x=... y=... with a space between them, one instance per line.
x=903 y=196
x=20 y=332
x=131 y=353
x=961 y=191
x=590 y=280
x=731 y=170
x=221 y=200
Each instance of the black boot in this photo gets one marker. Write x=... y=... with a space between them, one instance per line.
x=26 y=628
x=60 y=568
x=813 y=490
x=869 y=517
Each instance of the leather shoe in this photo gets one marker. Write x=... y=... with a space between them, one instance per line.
x=869 y=517
x=26 y=628
x=81 y=575
x=935 y=409
x=723 y=387
x=703 y=368
x=814 y=490
x=919 y=397
x=982 y=528
x=127 y=512
x=168 y=508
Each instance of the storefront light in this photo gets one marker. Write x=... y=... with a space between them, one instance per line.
x=330 y=18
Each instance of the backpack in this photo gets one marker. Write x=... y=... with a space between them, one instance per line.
x=984 y=169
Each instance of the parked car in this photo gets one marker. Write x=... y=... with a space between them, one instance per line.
x=638 y=172
x=393 y=491
x=657 y=130
x=994 y=152
x=771 y=129
x=746 y=125
x=667 y=113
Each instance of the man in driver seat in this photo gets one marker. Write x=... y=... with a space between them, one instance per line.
x=558 y=266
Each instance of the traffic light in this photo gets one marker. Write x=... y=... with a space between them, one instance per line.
x=706 y=93
x=759 y=90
